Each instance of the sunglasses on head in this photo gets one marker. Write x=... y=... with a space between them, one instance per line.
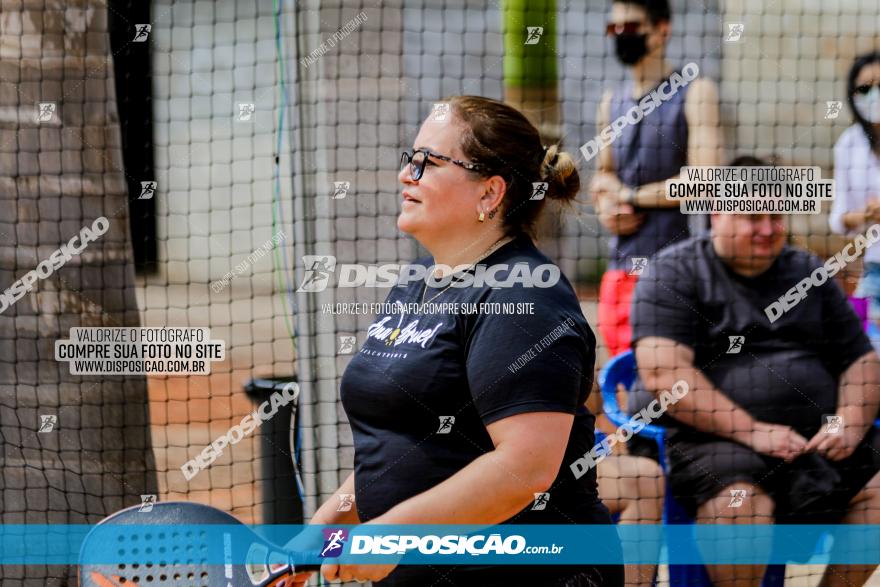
x=623 y=28
x=866 y=88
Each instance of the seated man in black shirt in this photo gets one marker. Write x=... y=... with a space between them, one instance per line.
x=753 y=441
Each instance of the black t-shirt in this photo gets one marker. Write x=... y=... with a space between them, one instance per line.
x=414 y=371
x=786 y=372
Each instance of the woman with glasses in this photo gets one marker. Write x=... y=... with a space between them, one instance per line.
x=857 y=171
x=474 y=413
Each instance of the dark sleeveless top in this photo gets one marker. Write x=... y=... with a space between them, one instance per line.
x=652 y=150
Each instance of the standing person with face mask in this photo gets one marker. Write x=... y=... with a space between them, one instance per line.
x=857 y=170
x=628 y=188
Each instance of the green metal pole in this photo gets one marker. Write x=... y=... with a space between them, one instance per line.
x=530 y=63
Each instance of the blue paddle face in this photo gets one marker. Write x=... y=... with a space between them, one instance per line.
x=167 y=558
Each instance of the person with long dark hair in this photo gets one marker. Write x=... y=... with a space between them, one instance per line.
x=857 y=170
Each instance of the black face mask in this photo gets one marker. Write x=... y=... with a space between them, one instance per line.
x=631 y=47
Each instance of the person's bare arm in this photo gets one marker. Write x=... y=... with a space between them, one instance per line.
x=526 y=460
x=491 y=489
x=859 y=219
x=662 y=362
x=605 y=184
x=653 y=195
x=605 y=187
x=858 y=400
x=705 y=146
x=328 y=514
x=603 y=118
x=596 y=405
x=859 y=394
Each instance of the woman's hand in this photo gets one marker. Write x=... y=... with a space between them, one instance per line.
x=359 y=573
x=300 y=579
x=309 y=540
x=872 y=210
x=329 y=514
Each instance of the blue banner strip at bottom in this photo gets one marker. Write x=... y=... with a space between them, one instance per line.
x=439 y=544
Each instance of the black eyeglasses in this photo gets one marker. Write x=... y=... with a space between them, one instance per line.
x=419 y=159
x=866 y=88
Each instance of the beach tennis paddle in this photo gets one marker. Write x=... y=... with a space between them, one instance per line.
x=268 y=565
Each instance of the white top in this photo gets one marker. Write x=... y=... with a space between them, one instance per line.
x=857 y=179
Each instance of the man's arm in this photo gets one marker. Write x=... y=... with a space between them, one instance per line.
x=603 y=118
x=663 y=361
x=859 y=396
x=705 y=148
x=858 y=401
x=606 y=187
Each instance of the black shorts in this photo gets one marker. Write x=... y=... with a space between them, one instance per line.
x=809 y=490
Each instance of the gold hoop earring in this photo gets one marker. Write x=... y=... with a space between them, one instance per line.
x=482 y=216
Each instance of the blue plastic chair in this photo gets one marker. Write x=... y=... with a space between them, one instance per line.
x=621 y=369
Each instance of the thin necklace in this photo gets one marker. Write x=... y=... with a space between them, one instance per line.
x=498 y=244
